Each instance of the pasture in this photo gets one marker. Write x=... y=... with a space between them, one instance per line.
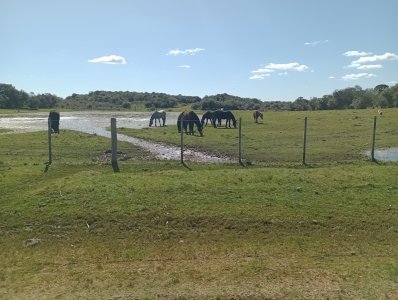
x=159 y=231
x=332 y=136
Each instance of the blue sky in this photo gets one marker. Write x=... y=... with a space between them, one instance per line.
x=269 y=49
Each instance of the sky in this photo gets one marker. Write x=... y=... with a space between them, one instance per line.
x=265 y=49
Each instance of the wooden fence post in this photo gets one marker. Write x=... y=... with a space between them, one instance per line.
x=182 y=141
x=115 y=166
x=240 y=143
x=305 y=140
x=49 y=142
x=373 y=139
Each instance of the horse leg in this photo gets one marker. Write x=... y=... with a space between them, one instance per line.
x=191 y=128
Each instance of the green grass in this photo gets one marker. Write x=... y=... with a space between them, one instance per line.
x=158 y=230
x=332 y=136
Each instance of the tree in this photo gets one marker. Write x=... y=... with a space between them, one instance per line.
x=380 y=88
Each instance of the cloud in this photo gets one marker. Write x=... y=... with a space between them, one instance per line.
x=375 y=58
x=283 y=69
x=369 y=61
x=356 y=53
x=368 y=67
x=177 y=52
x=185 y=66
x=316 y=43
x=110 y=59
x=350 y=77
x=259 y=76
x=331 y=77
x=271 y=67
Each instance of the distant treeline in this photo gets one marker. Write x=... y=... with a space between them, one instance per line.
x=349 y=98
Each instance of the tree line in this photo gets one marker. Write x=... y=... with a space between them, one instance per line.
x=355 y=97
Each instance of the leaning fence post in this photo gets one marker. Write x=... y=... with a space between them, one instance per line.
x=49 y=142
x=115 y=166
x=373 y=139
x=305 y=140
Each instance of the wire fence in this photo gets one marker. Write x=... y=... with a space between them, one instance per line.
x=304 y=141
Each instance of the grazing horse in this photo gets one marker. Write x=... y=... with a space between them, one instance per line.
x=219 y=115
x=206 y=117
x=157 y=116
x=54 y=118
x=256 y=115
x=189 y=119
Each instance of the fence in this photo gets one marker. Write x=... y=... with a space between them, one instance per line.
x=303 y=149
x=300 y=141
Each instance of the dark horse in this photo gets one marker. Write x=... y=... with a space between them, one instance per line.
x=157 y=116
x=206 y=117
x=54 y=118
x=189 y=119
x=256 y=115
x=219 y=115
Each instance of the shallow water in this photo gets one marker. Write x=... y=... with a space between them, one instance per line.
x=96 y=122
x=390 y=154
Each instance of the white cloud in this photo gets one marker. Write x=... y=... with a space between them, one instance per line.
x=356 y=53
x=350 y=77
x=177 y=52
x=185 y=66
x=375 y=58
x=331 y=77
x=259 y=76
x=262 y=71
x=369 y=67
x=110 y=59
x=316 y=43
x=369 y=61
x=271 y=67
x=283 y=69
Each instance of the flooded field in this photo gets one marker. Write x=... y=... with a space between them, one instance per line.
x=96 y=123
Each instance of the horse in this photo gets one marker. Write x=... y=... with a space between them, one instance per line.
x=157 y=116
x=54 y=118
x=189 y=119
x=380 y=112
x=256 y=115
x=219 y=115
x=206 y=117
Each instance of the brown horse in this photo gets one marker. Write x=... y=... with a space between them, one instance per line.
x=189 y=119
x=256 y=115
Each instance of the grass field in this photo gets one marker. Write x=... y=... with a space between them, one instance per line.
x=159 y=231
x=332 y=136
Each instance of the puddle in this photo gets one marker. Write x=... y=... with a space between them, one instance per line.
x=390 y=154
x=96 y=123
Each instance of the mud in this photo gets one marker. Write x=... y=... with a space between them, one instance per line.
x=97 y=122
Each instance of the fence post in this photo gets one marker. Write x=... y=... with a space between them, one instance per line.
x=182 y=141
x=373 y=139
x=240 y=142
x=49 y=142
x=305 y=140
x=115 y=166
